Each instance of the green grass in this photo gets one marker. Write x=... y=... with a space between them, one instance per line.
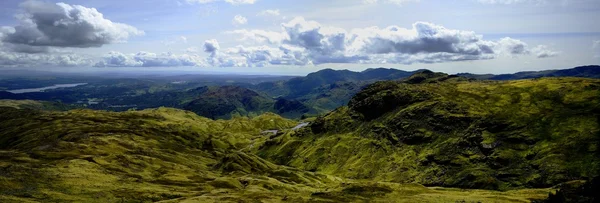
x=452 y=132
x=169 y=155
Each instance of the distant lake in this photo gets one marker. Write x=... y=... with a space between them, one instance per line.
x=41 y=89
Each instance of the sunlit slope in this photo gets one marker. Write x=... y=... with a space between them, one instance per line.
x=175 y=156
x=149 y=155
x=442 y=130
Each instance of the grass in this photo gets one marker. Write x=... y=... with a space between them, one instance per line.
x=451 y=132
x=169 y=155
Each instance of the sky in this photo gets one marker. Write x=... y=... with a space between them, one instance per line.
x=286 y=37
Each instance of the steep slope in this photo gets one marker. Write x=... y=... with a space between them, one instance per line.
x=227 y=101
x=581 y=71
x=169 y=155
x=442 y=130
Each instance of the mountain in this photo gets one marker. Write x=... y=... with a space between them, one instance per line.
x=227 y=101
x=169 y=155
x=592 y=71
x=443 y=130
x=328 y=89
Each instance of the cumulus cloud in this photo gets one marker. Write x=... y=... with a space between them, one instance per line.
x=211 y=46
x=232 y=2
x=424 y=42
x=64 y=25
x=16 y=59
x=509 y=46
x=239 y=20
x=148 y=59
x=269 y=13
x=542 y=51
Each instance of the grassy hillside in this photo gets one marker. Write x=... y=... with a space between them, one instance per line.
x=229 y=101
x=328 y=89
x=37 y=105
x=581 y=71
x=168 y=155
x=441 y=130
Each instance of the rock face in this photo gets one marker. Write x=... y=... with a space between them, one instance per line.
x=442 y=130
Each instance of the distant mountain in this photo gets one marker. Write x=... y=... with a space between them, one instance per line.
x=328 y=89
x=227 y=101
x=592 y=71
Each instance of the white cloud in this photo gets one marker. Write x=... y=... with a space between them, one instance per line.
x=211 y=46
x=15 y=59
x=239 y=20
x=422 y=43
x=509 y=46
x=232 y=2
x=269 y=13
x=148 y=59
x=64 y=25
x=542 y=51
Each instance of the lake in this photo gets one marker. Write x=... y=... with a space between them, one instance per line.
x=41 y=89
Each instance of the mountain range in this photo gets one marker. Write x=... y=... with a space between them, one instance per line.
x=409 y=140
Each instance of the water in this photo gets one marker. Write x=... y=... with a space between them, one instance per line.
x=41 y=89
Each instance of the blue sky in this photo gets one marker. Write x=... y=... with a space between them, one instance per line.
x=297 y=37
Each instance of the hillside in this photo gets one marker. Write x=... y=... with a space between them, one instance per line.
x=441 y=130
x=37 y=105
x=168 y=155
x=328 y=89
x=227 y=101
x=581 y=71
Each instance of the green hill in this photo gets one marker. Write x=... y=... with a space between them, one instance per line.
x=228 y=101
x=441 y=130
x=592 y=71
x=328 y=89
x=169 y=155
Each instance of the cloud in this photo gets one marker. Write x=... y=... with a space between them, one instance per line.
x=63 y=25
x=232 y=2
x=509 y=46
x=239 y=20
x=424 y=42
x=269 y=13
x=211 y=46
x=148 y=59
x=542 y=51
x=397 y=2
x=260 y=36
x=16 y=59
